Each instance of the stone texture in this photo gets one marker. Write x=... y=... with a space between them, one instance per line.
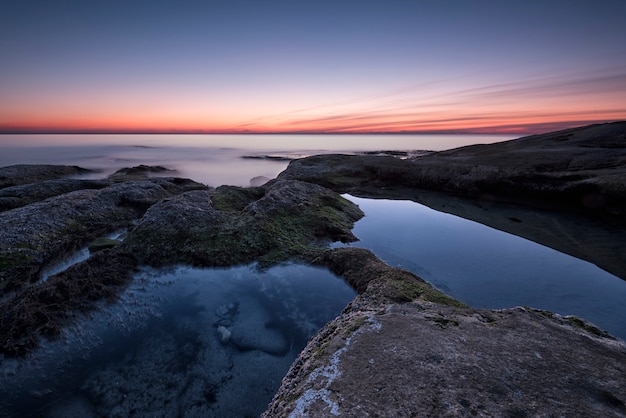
x=422 y=359
x=36 y=235
x=14 y=175
x=381 y=358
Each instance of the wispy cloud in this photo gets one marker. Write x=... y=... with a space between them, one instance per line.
x=520 y=105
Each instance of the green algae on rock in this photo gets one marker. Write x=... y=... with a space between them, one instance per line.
x=379 y=282
x=230 y=225
x=44 y=309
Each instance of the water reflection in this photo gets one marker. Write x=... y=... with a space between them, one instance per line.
x=186 y=342
x=488 y=268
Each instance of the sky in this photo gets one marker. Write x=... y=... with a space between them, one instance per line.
x=231 y=66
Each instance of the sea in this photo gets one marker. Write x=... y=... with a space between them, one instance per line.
x=160 y=350
x=213 y=160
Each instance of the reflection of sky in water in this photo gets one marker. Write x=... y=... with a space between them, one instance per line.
x=158 y=352
x=484 y=267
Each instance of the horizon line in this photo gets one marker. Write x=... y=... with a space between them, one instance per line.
x=508 y=130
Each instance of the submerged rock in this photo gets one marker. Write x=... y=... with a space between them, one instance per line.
x=224 y=334
x=252 y=329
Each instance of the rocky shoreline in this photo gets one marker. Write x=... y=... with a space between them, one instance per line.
x=400 y=348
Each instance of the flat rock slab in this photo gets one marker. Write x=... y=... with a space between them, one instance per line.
x=422 y=359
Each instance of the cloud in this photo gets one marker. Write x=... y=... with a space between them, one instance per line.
x=518 y=105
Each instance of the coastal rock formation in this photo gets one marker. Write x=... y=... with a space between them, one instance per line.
x=233 y=225
x=564 y=190
x=388 y=359
x=36 y=235
x=580 y=169
x=22 y=195
x=170 y=221
x=15 y=175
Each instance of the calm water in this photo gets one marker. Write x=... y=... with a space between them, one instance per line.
x=488 y=268
x=160 y=351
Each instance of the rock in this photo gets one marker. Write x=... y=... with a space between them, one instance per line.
x=224 y=334
x=140 y=172
x=580 y=169
x=552 y=189
x=41 y=233
x=252 y=331
x=103 y=243
x=44 y=309
x=436 y=357
x=15 y=175
x=232 y=225
x=22 y=195
x=258 y=181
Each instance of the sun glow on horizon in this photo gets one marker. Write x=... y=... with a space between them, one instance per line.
x=311 y=67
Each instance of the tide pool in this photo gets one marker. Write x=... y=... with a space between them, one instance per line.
x=487 y=268
x=160 y=350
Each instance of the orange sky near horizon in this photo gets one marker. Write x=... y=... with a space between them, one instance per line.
x=300 y=68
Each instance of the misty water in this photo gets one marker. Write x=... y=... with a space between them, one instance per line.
x=159 y=350
x=210 y=159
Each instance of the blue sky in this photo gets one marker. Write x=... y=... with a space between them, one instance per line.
x=301 y=66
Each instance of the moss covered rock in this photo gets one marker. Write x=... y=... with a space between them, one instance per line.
x=231 y=225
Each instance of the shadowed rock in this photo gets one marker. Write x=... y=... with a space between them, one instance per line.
x=15 y=175
x=579 y=170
